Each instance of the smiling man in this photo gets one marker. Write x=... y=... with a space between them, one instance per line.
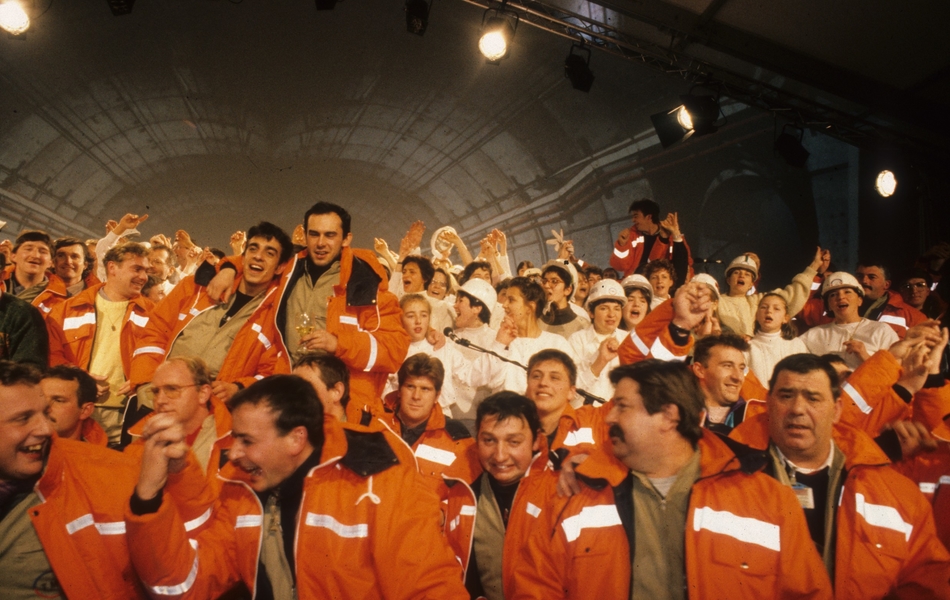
x=236 y=339
x=69 y=261
x=28 y=278
x=308 y=508
x=345 y=292
x=98 y=330
x=872 y=526
x=719 y=365
x=61 y=502
x=850 y=336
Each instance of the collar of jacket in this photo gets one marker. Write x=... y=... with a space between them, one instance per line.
x=63 y=451
x=858 y=447
x=361 y=275
x=88 y=297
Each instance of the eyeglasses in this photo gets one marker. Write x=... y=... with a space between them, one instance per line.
x=918 y=285
x=552 y=281
x=171 y=391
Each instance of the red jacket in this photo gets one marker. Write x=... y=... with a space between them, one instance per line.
x=368 y=528
x=896 y=313
x=366 y=319
x=54 y=293
x=72 y=324
x=652 y=339
x=84 y=491
x=253 y=355
x=626 y=257
x=745 y=536
x=886 y=542
x=93 y=433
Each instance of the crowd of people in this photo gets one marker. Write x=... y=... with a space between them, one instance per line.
x=293 y=417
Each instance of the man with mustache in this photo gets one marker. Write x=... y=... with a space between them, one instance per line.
x=883 y=304
x=671 y=512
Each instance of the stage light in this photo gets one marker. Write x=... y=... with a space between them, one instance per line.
x=417 y=16
x=790 y=147
x=683 y=118
x=696 y=116
x=120 y=7
x=578 y=70
x=497 y=31
x=886 y=183
x=13 y=18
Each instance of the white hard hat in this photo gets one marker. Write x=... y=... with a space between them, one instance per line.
x=709 y=280
x=482 y=291
x=606 y=289
x=745 y=262
x=639 y=282
x=836 y=281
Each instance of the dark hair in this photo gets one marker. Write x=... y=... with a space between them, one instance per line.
x=505 y=405
x=532 y=292
x=86 y=391
x=560 y=269
x=32 y=235
x=870 y=262
x=648 y=208
x=667 y=382
x=332 y=370
x=422 y=365
x=150 y=283
x=471 y=267
x=661 y=264
x=804 y=364
x=325 y=208
x=611 y=273
x=789 y=331
x=703 y=348
x=425 y=267
x=291 y=398
x=525 y=264
x=19 y=373
x=593 y=269
x=120 y=252
x=219 y=253
x=65 y=242
x=484 y=315
x=555 y=355
x=269 y=232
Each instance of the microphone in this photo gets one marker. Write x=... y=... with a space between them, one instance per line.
x=451 y=335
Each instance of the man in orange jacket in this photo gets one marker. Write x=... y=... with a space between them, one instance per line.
x=343 y=293
x=61 y=504
x=307 y=509
x=872 y=526
x=71 y=393
x=237 y=339
x=672 y=512
x=29 y=277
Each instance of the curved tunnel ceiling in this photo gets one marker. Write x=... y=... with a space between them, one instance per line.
x=210 y=115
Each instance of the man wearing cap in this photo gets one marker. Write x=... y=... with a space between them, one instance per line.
x=474 y=303
x=559 y=278
x=595 y=348
x=737 y=307
x=639 y=295
x=883 y=304
x=650 y=239
x=850 y=336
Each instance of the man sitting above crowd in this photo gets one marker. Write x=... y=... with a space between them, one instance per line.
x=649 y=240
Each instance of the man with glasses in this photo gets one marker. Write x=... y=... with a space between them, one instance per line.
x=559 y=279
x=182 y=387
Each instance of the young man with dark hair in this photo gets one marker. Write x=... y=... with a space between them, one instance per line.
x=297 y=487
x=99 y=330
x=883 y=304
x=237 y=339
x=344 y=293
x=872 y=526
x=330 y=380
x=71 y=393
x=61 y=504
x=650 y=239
x=69 y=262
x=719 y=365
x=678 y=514
x=29 y=277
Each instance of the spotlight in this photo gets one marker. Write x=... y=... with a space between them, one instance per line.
x=417 y=16
x=696 y=116
x=497 y=32
x=13 y=18
x=886 y=183
x=120 y=7
x=790 y=147
x=325 y=4
x=578 y=70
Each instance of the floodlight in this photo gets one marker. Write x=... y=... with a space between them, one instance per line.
x=683 y=118
x=417 y=16
x=13 y=18
x=886 y=183
x=120 y=7
x=790 y=147
x=497 y=32
x=577 y=69
x=703 y=113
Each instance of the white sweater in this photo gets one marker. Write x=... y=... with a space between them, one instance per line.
x=766 y=349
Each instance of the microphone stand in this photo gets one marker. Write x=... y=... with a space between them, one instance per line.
x=589 y=398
